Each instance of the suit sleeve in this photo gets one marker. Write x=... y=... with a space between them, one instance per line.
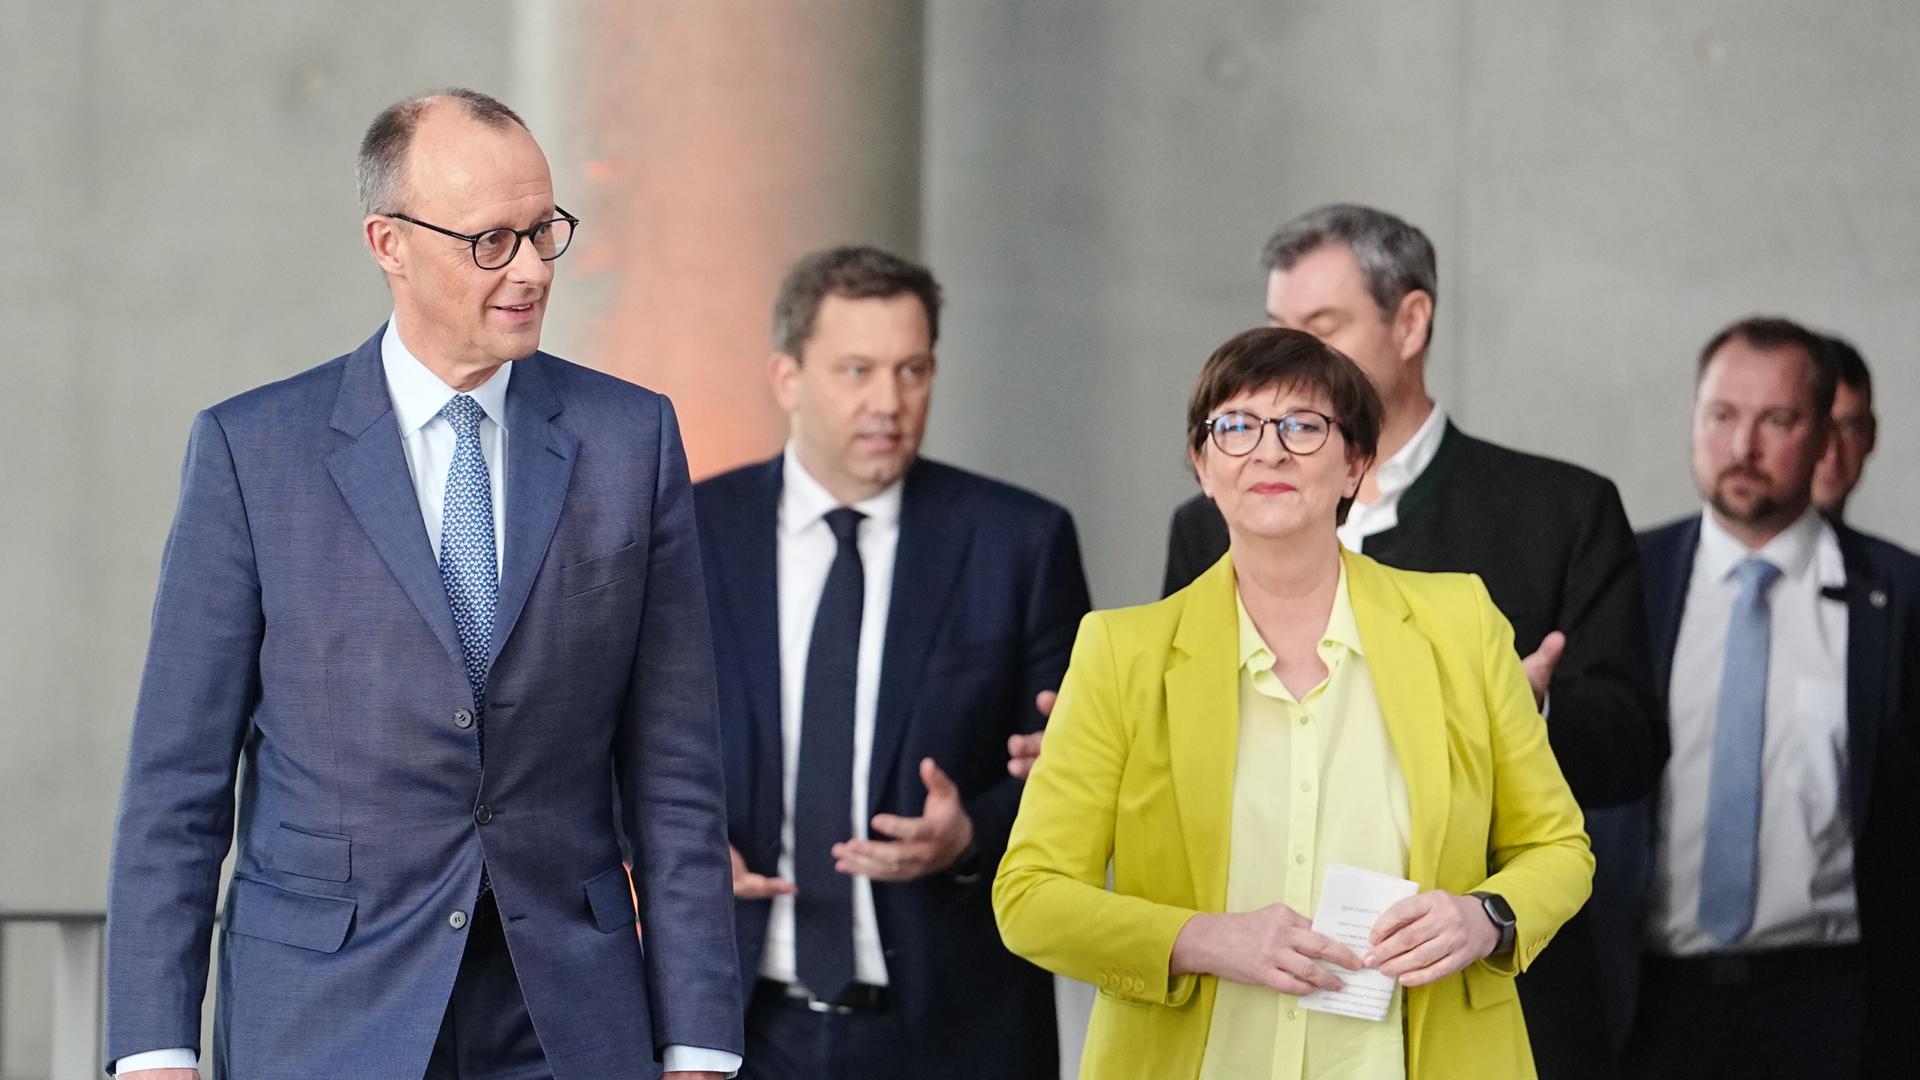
x=668 y=768
x=1536 y=846
x=1051 y=897
x=1187 y=548
x=1606 y=728
x=1054 y=608
x=175 y=822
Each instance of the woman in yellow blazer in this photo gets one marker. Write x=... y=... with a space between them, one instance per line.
x=1296 y=707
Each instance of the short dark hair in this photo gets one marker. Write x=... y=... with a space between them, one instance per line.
x=1290 y=359
x=1849 y=367
x=1395 y=257
x=856 y=273
x=1769 y=332
x=381 y=167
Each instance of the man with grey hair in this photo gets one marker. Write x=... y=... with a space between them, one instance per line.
x=1551 y=541
x=435 y=610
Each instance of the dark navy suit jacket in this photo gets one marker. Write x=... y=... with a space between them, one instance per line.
x=987 y=594
x=303 y=644
x=1882 y=595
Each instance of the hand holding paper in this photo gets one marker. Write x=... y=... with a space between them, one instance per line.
x=1352 y=901
x=1428 y=937
x=1272 y=947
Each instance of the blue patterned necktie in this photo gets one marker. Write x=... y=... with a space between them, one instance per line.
x=469 y=560
x=1729 y=869
x=823 y=788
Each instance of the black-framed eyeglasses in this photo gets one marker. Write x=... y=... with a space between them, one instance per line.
x=496 y=248
x=1301 y=431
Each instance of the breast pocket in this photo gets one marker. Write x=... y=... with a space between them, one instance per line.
x=1819 y=747
x=969 y=656
x=602 y=571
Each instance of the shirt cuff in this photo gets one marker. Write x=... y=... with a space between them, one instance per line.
x=175 y=1058
x=699 y=1059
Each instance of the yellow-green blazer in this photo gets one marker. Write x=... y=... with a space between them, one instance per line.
x=1138 y=770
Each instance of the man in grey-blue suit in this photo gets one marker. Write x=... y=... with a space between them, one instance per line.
x=446 y=727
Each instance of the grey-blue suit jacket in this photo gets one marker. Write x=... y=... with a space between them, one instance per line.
x=303 y=647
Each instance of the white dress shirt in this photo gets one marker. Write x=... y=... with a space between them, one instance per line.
x=427 y=440
x=1394 y=476
x=806 y=551
x=1804 y=886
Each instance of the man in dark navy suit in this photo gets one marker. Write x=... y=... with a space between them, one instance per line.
x=882 y=625
x=1758 y=908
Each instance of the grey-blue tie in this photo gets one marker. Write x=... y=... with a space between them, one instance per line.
x=1729 y=868
x=469 y=562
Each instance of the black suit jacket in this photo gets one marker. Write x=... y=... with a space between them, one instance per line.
x=1882 y=595
x=988 y=592
x=1552 y=543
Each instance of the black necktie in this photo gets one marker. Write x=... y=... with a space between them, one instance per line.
x=823 y=796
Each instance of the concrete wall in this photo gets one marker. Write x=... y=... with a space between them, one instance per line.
x=1606 y=186
x=182 y=227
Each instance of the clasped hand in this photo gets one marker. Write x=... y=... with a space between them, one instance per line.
x=1417 y=941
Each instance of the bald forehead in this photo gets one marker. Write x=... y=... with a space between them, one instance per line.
x=1784 y=372
x=456 y=163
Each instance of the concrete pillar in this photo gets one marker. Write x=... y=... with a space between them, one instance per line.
x=706 y=145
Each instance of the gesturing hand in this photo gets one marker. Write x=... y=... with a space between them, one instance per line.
x=921 y=845
x=1275 y=947
x=1540 y=665
x=1428 y=937
x=748 y=885
x=1023 y=750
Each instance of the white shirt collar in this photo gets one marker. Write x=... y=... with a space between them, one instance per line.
x=419 y=395
x=803 y=501
x=1791 y=550
x=1398 y=472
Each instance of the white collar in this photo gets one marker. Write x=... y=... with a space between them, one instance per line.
x=804 y=501
x=418 y=394
x=1397 y=473
x=1791 y=550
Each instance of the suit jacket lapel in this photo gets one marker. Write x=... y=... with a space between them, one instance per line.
x=933 y=545
x=1668 y=575
x=1869 y=646
x=371 y=472
x=1203 y=728
x=539 y=467
x=748 y=548
x=1407 y=682
x=1418 y=501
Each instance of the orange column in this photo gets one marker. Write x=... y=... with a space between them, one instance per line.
x=719 y=140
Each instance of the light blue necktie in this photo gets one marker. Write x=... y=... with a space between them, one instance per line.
x=468 y=558
x=1730 y=866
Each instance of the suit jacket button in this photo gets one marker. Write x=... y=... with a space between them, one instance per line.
x=457 y=920
x=463 y=718
x=483 y=813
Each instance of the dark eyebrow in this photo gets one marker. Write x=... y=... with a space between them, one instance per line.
x=552 y=213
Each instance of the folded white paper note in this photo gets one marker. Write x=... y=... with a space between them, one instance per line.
x=1351 y=902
